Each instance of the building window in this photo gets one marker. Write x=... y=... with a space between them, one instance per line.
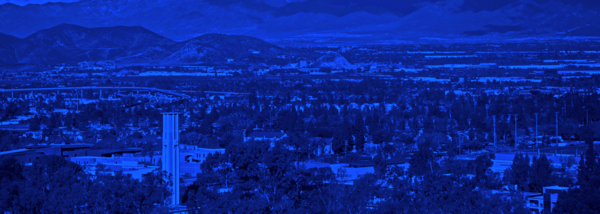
x=553 y=191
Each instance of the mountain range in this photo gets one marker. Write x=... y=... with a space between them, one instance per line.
x=66 y=43
x=182 y=20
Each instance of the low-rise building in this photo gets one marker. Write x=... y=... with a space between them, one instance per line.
x=272 y=136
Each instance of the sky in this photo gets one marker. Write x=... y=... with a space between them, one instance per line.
x=24 y=2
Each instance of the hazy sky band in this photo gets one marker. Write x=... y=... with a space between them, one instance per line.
x=24 y=2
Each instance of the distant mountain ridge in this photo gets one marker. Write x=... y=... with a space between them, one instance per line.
x=333 y=60
x=186 y=19
x=72 y=43
x=220 y=46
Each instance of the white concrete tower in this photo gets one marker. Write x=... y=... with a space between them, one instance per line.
x=170 y=151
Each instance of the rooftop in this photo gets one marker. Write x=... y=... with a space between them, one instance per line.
x=557 y=188
x=65 y=146
x=13 y=151
x=266 y=134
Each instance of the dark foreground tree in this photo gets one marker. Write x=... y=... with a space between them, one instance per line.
x=52 y=184
x=586 y=197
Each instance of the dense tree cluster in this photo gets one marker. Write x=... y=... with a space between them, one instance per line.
x=533 y=177
x=584 y=198
x=252 y=177
x=52 y=184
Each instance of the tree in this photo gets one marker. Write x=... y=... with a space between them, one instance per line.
x=578 y=200
x=585 y=198
x=120 y=193
x=541 y=174
x=10 y=178
x=518 y=173
x=422 y=161
x=589 y=167
x=34 y=124
x=435 y=140
x=6 y=140
x=380 y=165
x=54 y=122
x=229 y=138
x=342 y=135
x=68 y=120
x=203 y=196
x=52 y=184
x=481 y=165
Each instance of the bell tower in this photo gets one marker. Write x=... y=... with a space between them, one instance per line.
x=170 y=151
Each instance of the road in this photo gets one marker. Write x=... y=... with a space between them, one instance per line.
x=579 y=148
x=19 y=127
x=184 y=96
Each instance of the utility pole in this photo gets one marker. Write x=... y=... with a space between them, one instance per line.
x=536 y=134
x=80 y=97
x=557 y=128
x=346 y=147
x=459 y=144
x=77 y=100
x=494 y=132
x=564 y=110
x=516 y=142
x=587 y=113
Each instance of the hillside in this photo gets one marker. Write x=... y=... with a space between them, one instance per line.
x=73 y=43
x=332 y=60
x=7 y=51
x=219 y=47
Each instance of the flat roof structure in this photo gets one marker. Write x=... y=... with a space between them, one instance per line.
x=13 y=151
